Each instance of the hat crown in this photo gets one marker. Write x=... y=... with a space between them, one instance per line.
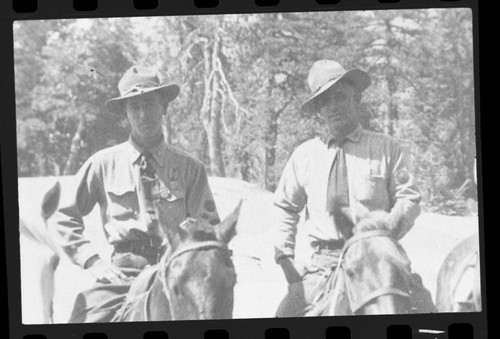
x=322 y=72
x=137 y=78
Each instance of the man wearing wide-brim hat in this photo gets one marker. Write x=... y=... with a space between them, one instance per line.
x=144 y=187
x=338 y=178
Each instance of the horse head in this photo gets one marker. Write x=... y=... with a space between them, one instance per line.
x=197 y=272
x=374 y=266
x=42 y=266
x=458 y=282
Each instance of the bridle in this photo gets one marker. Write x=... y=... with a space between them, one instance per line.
x=340 y=267
x=166 y=260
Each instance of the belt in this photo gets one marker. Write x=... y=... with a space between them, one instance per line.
x=139 y=247
x=332 y=245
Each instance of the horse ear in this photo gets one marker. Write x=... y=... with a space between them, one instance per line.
x=226 y=230
x=50 y=201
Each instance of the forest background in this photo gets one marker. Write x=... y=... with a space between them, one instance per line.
x=243 y=78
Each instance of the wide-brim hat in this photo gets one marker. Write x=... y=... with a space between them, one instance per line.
x=138 y=81
x=326 y=73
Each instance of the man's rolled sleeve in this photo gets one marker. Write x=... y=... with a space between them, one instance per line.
x=404 y=194
x=81 y=199
x=289 y=200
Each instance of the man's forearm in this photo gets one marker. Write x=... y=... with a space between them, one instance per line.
x=402 y=217
x=284 y=233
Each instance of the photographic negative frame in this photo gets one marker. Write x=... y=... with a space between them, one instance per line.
x=254 y=313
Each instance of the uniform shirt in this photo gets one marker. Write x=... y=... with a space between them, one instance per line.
x=111 y=178
x=379 y=178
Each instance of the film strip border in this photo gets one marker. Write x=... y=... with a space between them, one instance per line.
x=454 y=331
x=144 y=7
x=428 y=326
x=458 y=326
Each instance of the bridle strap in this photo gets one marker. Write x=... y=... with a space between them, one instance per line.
x=360 y=236
x=195 y=246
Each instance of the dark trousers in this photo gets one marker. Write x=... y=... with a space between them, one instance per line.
x=102 y=301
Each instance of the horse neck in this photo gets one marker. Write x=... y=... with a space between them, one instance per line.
x=157 y=307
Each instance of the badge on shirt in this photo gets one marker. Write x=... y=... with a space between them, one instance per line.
x=168 y=193
x=402 y=176
x=165 y=192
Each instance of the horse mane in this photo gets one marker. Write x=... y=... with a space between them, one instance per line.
x=373 y=220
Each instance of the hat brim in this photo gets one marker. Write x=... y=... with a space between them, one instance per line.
x=358 y=78
x=168 y=93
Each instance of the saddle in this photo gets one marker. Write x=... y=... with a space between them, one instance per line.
x=143 y=282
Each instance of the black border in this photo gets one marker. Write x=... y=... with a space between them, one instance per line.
x=360 y=326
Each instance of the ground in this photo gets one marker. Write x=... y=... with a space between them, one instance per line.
x=261 y=284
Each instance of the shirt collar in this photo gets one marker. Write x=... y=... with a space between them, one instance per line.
x=157 y=151
x=354 y=136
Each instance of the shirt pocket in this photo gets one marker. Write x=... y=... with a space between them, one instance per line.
x=372 y=190
x=123 y=203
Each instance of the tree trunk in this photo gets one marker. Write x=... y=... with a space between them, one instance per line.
x=71 y=164
x=271 y=138
x=40 y=162
x=214 y=127
x=245 y=165
x=210 y=111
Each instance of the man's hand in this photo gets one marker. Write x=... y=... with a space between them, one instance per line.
x=294 y=271
x=104 y=272
x=395 y=221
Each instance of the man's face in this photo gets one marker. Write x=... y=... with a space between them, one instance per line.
x=337 y=107
x=144 y=112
